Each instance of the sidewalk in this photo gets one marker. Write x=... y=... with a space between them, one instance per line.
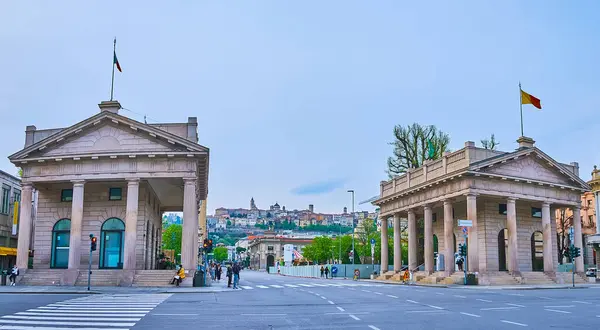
x=496 y=287
x=215 y=288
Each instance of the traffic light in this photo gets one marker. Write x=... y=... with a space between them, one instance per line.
x=210 y=245
x=462 y=250
x=574 y=251
x=205 y=244
x=93 y=242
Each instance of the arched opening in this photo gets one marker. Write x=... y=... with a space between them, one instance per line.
x=502 y=250
x=112 y=240
x=537 y=252
x=61 y=235
x=270 y=261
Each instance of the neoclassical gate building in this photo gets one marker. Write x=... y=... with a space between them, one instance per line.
x=510 y=198
x=112 y=177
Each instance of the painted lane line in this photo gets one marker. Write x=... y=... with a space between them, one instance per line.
x=379 y=293
x=82 y=315
x=160 y=314
x=419 y=290
x=411 y=301
x=306 y=285
x=94 y=324
x=366 y=291
x=439 y=293
x=563 y=306
x=516 y=294
x=516 y=305
x=515 y=323
x=262 y=286
x=436 y=307
x=291 y=285
x=498 y=308
x=246 y=287
x=54 y=318
x=469 y=314
x=276 y=314
x=323 y=297
x=310 y=292
x=354 y=317
x=276 y=286
x=17 y=327
x=331 y=302
x=341 y=309
x=391 y=296
x=373 y=327
x=547 y=298
x=63 y=311
x=458 y=296
x=484 y=300
x=429 y=311
x=556 y=311
x=582 y=302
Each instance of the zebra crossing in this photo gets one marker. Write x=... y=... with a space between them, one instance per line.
x=95 y=312
x=307 y=285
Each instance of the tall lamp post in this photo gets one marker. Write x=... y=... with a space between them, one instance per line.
x=352 y=192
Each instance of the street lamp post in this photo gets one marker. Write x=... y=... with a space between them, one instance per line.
x=352 y=192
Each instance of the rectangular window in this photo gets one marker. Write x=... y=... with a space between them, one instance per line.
x=434 y=217
x=502 y=209
x=66 y=195
x=4 y=207
x=114 y=194
x=536 y=212
x=17 y=196
x=270 y=248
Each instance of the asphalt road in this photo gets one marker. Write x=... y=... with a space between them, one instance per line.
x=279 y=302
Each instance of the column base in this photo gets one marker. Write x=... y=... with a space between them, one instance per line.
x=69 y=277
x=126 y=277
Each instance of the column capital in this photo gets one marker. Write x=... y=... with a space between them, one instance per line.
x=546 y=204
x=471 y=194
x=410 y=211
x=26 y=185
x=189 y=180
x=576 y=207
x=511 y=199
x=426 y=207
x=131 y=181
x=78 y=182
x=447 y=202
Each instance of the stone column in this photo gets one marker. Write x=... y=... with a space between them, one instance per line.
x=511 y=225
x=397 y=244
x=448 y=238
x=412 y=241
x=76 y=224
x=548 y=238
x=384 y=245
x=473 y=246
x=25 y=224
x=189 y=257
x=578 y=238
x=131 y=218
x=428 y=219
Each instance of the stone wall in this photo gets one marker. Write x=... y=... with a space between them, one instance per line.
x=97 y=208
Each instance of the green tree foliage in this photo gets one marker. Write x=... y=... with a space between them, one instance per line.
x=490 y=143
x=171 y=238
x=228 y=223
x=346 y=242
x=412 y=146
x=326 y=229
x=220 y=253
x=240 y=249
x=320 y=250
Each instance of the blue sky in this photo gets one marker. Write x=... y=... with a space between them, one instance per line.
x=297 y=101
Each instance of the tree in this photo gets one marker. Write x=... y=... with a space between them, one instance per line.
x=171 y=238
x=220 y=253
x=413 y=145
x=228 y=223
x=20 y=172
x=240 y=249
x=490 y=143
x=320 y=250
x=346 y=242
x=562 y=232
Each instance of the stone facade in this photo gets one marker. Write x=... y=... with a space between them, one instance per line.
x=515 y=193
x=150 y=169
x=269 y=248
x=10 y=191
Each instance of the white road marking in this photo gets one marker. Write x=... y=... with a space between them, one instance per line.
x=411 y=301
x=419 y=290
x=311 y=292
x=459 y=296
x=469 y=314
x=546 y=298
x=306 y=285
x=354 y=317
x=276 y=286
x=291 y=285
x=515 y=323
x=18 y=327
x=373 y=327
x=391 y=296
x=341 y=309
x=246 y=287
x=262 y=286
x=175 y=314
x=439 y=293
x=379 y=293
x=516 y=294
x=263 y=314
x=556 y=311
x=331 y=302
x=484 y=300
x=94 y=324
x=108 y=314
x=563 y=306
x=436 y=307
x=516 y=305
x=582 y=302
x=322 y=297
x=366 y=291
x=51 y=311
x=498 y=308
x=68 y=318
x=429 y=311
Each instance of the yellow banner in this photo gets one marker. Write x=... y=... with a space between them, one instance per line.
x=4 y=251
x=15 y=217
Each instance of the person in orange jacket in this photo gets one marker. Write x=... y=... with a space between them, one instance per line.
x=179 y=277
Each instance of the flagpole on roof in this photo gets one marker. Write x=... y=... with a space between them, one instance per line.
x=112 y=82
x=521 y=105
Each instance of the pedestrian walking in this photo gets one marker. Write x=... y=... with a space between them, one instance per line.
x=13 y=275
x=326 y=272
x=218 y=271
x=459 y=262
x=212 y=271
x=236 y=275
x=322 y=271
x=229 y=276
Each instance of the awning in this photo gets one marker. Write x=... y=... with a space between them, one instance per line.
x=5 y=251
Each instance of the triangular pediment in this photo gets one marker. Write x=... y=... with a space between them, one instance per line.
x=530 y=165
x=108 y=133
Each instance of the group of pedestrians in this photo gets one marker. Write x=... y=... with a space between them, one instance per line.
x=215 y=271
x=325 y=271
x=233 y=273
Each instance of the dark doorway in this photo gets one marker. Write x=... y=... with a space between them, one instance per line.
x=502 y=250
x=537 y=252
x=270 y=261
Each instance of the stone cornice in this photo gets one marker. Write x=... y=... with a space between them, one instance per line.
x=111 y=155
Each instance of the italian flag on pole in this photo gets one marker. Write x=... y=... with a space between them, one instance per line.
x=116 y=62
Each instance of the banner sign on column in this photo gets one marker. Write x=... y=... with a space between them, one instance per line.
x=15 y=218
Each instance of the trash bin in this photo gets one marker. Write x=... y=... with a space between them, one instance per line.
x=4 y=274
x=198 y=279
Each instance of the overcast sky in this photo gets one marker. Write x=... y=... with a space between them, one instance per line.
x=297 y=102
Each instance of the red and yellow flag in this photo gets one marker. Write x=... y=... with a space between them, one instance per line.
x=530 y=99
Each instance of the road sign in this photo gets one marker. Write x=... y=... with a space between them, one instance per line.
x=372 y=241
x=464 y=230
x=465 y=223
